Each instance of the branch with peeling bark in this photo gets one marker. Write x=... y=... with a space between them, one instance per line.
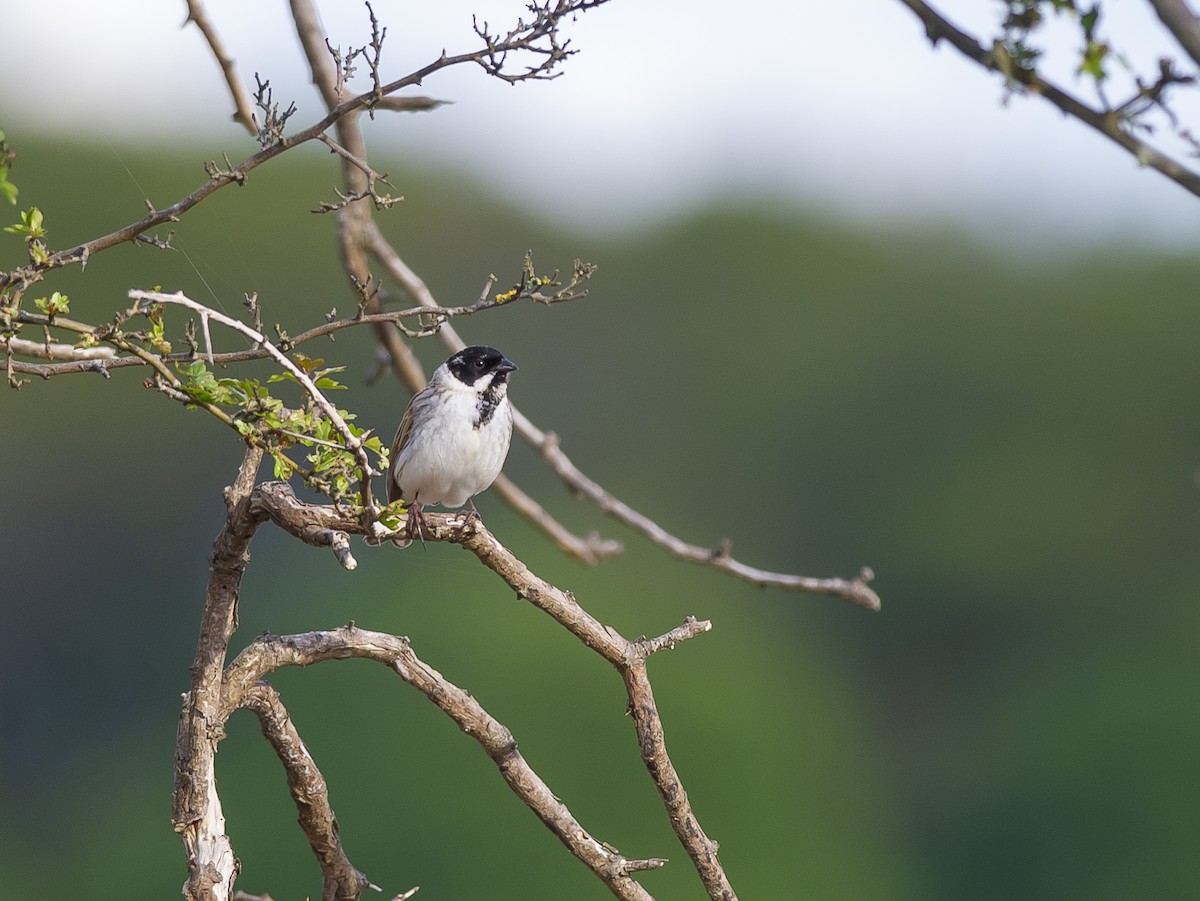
x=218 y=690
x=69 y=358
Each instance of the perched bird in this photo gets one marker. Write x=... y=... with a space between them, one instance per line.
x=455 y=434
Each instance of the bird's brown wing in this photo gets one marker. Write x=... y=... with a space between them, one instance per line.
x=402 y=434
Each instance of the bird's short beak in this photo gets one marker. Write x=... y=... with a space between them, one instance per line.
x=506 y=365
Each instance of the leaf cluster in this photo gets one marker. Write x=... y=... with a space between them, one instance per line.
x=1023 y=18
x=264 y=420
x=32 y=229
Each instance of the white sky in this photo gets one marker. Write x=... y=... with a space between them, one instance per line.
x=841 y=106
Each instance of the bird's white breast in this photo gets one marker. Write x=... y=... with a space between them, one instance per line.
x=450 y=460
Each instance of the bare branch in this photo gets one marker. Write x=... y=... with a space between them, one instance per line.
x=309 y=792
x=856 y=591
x=270 y=652
x=1182 y=23
x=197 y=812
x=381 y=201
x=628 y=657
x=323 y=75
x=196 y=806
x=241 y=99
x=652 y=742
x=690 y=629
x=55 y=351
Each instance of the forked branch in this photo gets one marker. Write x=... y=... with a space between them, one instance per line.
x=268 y=653
x=218 y=690
x=277 y=501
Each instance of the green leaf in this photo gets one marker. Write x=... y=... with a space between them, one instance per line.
x=1092 y=62
x=306 y=363
x=55 y=303
x=1088 y=21
x=30 y=225
x=283 y=467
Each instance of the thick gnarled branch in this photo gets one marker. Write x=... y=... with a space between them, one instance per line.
x=196 y=806
x=342 y=882
x=270 y=652
x=217 y=691
x=277 y=501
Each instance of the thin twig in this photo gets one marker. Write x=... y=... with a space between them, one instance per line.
x=352 y=441
x=856 y=590
x=384 y=201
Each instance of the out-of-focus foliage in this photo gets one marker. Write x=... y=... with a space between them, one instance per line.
x=8 y=190
x=1008 y=439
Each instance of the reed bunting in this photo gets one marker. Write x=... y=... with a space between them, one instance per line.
x=455 y=434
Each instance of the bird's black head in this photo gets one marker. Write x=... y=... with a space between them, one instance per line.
x=472 y=363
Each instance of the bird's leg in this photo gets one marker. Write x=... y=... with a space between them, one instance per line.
x=416 y=522
x=472 y=514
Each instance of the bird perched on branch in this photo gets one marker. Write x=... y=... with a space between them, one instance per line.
x=455 y=434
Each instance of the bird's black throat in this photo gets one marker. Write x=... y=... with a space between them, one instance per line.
x=488 y=402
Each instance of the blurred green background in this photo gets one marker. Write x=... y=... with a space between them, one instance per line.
x=1006 y=435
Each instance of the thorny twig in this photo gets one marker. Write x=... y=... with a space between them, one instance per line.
x=520 y=40
x=381 y=201
x=433 y=322
x=330 y=412
x=274 y=121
